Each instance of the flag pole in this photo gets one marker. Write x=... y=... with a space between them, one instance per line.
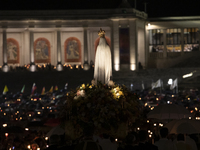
x=177 y=87
x=160 y=85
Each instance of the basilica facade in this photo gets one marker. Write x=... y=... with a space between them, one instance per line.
x=70 y=37
x=65 y=37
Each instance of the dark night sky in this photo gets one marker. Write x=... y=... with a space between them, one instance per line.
x=155 y=8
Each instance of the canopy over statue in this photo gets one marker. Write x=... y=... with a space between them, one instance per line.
x=103 y=62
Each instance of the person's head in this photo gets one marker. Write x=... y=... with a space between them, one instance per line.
x=143 y=135
x=106 y=136
x=180 y=137
x=16 y=142
x=163 y=132
x=54 y=139
x=34 y=146
x=88 y=131
x=130 y=138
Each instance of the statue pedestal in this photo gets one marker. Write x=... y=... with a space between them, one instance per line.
x=32 y=68
x=59 y=67
x=5 y=68
x=86 y=66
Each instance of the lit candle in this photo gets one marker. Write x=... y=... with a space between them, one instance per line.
x=150 y=135
x=28 y=146
x=5 y=125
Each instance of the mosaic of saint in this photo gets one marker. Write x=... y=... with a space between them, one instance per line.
x=42 y=50
x=12 y=51
x=72 y=50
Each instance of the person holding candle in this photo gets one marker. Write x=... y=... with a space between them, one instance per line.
x=143 y=141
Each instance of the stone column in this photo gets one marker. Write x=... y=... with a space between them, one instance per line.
x=59 y=64
x=5 y=67
x=182 y=41
x=32 y=60
x=116 y=57
x=198 y=34
x=133 y=45
x=86 y=66
x=165 y=43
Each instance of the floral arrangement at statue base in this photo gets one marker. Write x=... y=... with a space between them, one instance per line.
x=109 y=108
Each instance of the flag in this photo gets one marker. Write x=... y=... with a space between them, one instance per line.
x=142 y=85
x=56 y=88
x=66 y=86
x=5 y=90
x=51 y=90
x=43 y=91
x=23 y=88
x=156 y=84
x=33 y=89
x=174 y=84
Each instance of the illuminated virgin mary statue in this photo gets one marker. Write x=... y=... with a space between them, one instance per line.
x=103 y=62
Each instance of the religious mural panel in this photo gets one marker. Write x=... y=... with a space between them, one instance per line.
x=72 y=50
x=124 y=45
x=42 y=51
x=12 y=51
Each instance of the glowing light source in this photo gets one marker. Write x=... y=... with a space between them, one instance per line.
x=188 y=75
x=150 y=135
x=133 y=67
x=5 y=125
x=116 y=67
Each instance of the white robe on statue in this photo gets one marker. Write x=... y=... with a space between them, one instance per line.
x=103 y=62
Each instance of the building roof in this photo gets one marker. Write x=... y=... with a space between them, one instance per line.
x=72 y=14
x=177 y=18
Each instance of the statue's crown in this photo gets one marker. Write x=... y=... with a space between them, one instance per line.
x=101 y=33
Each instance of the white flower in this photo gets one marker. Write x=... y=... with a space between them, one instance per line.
x=76 y=97
x=111 y=83
x=93 y=82
x=81 y=93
